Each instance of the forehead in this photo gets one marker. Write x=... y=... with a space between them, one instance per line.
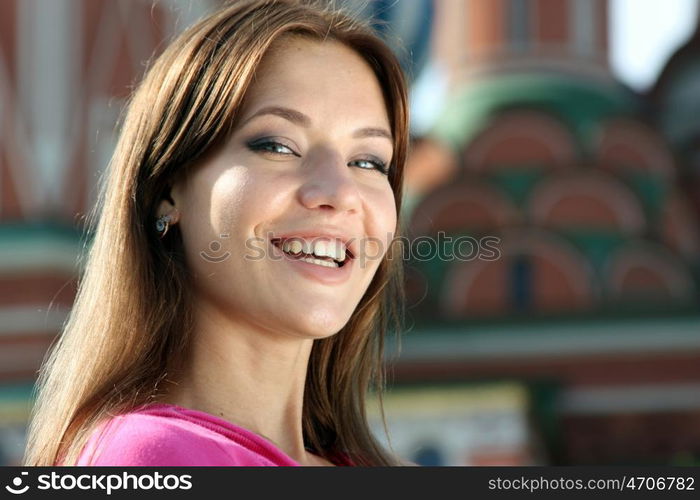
x=320 y=76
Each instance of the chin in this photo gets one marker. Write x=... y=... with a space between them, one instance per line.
x=322 y=324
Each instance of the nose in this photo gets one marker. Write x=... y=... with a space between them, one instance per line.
x=328 y=183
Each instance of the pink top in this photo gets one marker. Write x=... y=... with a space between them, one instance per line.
x=166 y=435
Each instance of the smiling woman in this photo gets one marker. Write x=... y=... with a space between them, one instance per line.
x=242 y=277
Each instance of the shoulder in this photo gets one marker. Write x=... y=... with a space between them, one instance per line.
x=142 y=440
x=139 y=439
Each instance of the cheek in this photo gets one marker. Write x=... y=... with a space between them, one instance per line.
x=213 y=204
x=243 y=201
x=230 y=194
x=381 y=208
x=242 y=197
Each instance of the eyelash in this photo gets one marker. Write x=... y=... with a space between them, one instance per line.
x=261 y=146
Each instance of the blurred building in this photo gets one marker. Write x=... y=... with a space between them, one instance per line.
x=576 y=341
x=592 y=299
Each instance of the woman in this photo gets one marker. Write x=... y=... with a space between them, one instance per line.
x=241 y=281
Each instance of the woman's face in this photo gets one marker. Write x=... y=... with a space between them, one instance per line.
x=304 y=166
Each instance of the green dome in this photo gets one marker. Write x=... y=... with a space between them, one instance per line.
x=580 y=103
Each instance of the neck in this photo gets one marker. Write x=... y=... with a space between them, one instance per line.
x=248 y=376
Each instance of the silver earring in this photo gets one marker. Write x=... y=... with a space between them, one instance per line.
x=163 y=224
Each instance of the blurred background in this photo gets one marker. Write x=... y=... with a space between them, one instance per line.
x=567 y=129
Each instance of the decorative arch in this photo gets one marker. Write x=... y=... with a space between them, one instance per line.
x=470 y=205
x=643 y=272
x=586 y=200
x=537 y=272
x=521 y=138
x=628 y=146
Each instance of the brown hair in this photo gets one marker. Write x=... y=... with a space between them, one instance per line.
x=127 y=331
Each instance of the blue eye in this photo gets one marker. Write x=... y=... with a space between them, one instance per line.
x=374 y=164
x=274 y=147
x=267 y=145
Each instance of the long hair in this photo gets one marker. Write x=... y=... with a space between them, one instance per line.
x=131 y=323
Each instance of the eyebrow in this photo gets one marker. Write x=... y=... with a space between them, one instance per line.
x=302 y=120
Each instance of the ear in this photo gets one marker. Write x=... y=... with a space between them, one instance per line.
x=167 y=206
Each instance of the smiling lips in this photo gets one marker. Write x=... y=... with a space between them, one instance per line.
x=320 y=268
x=323 y=252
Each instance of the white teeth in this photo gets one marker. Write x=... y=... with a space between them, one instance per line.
x=339 y=251
x=293 y=246
x=321 y=248
x=333 y=249
x=319 y=262
x=307 y=247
